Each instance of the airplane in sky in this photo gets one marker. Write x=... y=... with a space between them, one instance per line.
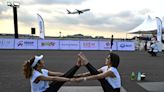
x=78 y=11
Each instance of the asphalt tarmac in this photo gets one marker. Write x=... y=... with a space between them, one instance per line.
x=12 y=79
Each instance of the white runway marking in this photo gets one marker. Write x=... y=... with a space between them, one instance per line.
x=153 y=86
x=84 y=89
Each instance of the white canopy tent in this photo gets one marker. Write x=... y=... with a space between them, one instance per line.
x=148 y=26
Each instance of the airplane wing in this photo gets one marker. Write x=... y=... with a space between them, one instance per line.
x=85 y=10
x=82 y=11
x=69 y=12
x=78 y=11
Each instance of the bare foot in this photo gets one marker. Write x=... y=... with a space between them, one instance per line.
x=84 y=60
x=78 y=63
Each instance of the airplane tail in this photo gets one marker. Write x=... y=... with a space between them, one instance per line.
x=68 y=11
x=79 y=11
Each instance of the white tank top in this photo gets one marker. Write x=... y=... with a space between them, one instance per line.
x=114 y=82
x=41 y=85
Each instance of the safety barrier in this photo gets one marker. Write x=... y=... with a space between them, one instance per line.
x=66 y=44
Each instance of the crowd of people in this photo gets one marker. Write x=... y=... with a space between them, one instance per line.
x=152 y=46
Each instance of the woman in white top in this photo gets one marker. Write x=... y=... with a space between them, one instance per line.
x=153 y=48
x=39 y=77
x=108 y=75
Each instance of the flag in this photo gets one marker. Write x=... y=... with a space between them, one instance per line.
x=41 y=26
x=159 y=33
x=159 y=29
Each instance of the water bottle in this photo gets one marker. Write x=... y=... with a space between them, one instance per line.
x=132 y=77
x=139 y=76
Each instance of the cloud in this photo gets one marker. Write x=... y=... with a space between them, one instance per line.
x=5 y=16
x=56 y=16
x=27 y=19
x=3 y=10
x=47 y=2
x=145 y=11
x=45 y=10
x=123 y=21
x=23 y=16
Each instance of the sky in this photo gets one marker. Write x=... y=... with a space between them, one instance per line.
x=106 y=17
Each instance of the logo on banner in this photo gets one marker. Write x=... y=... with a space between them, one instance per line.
x=26 y=43
x=48 y=44
x=125 y=45
x=29 y=43
x=69 y=44
x=20 y=43
x=89 y=44
x=107 y=44
x=4 y=43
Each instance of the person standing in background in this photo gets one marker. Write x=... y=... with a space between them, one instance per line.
x=111 y=43
x=153 y=50
x=145 y=46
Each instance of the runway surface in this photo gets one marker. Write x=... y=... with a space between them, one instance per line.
x=12 y=79
x=84 y=89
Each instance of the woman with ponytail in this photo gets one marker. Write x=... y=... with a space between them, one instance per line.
x=108 y=75
x=39 y=77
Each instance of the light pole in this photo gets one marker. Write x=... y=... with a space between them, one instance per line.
x=126 y=36
x=59 y=38
x=60 y=34
x=14 y=5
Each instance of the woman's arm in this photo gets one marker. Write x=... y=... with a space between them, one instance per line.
x=100 y=76
x=51 y=78
x=82 y=74
x=86 y=74
x=50 y=73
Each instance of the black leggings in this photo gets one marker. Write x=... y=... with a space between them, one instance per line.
x=152 y=53
x=104 y=83
x=55 y=85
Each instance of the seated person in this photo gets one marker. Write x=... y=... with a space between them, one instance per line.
x=153 y=50
x=108 y=75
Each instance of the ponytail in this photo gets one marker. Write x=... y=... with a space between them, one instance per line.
x=115 y=60
x=27 y=69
